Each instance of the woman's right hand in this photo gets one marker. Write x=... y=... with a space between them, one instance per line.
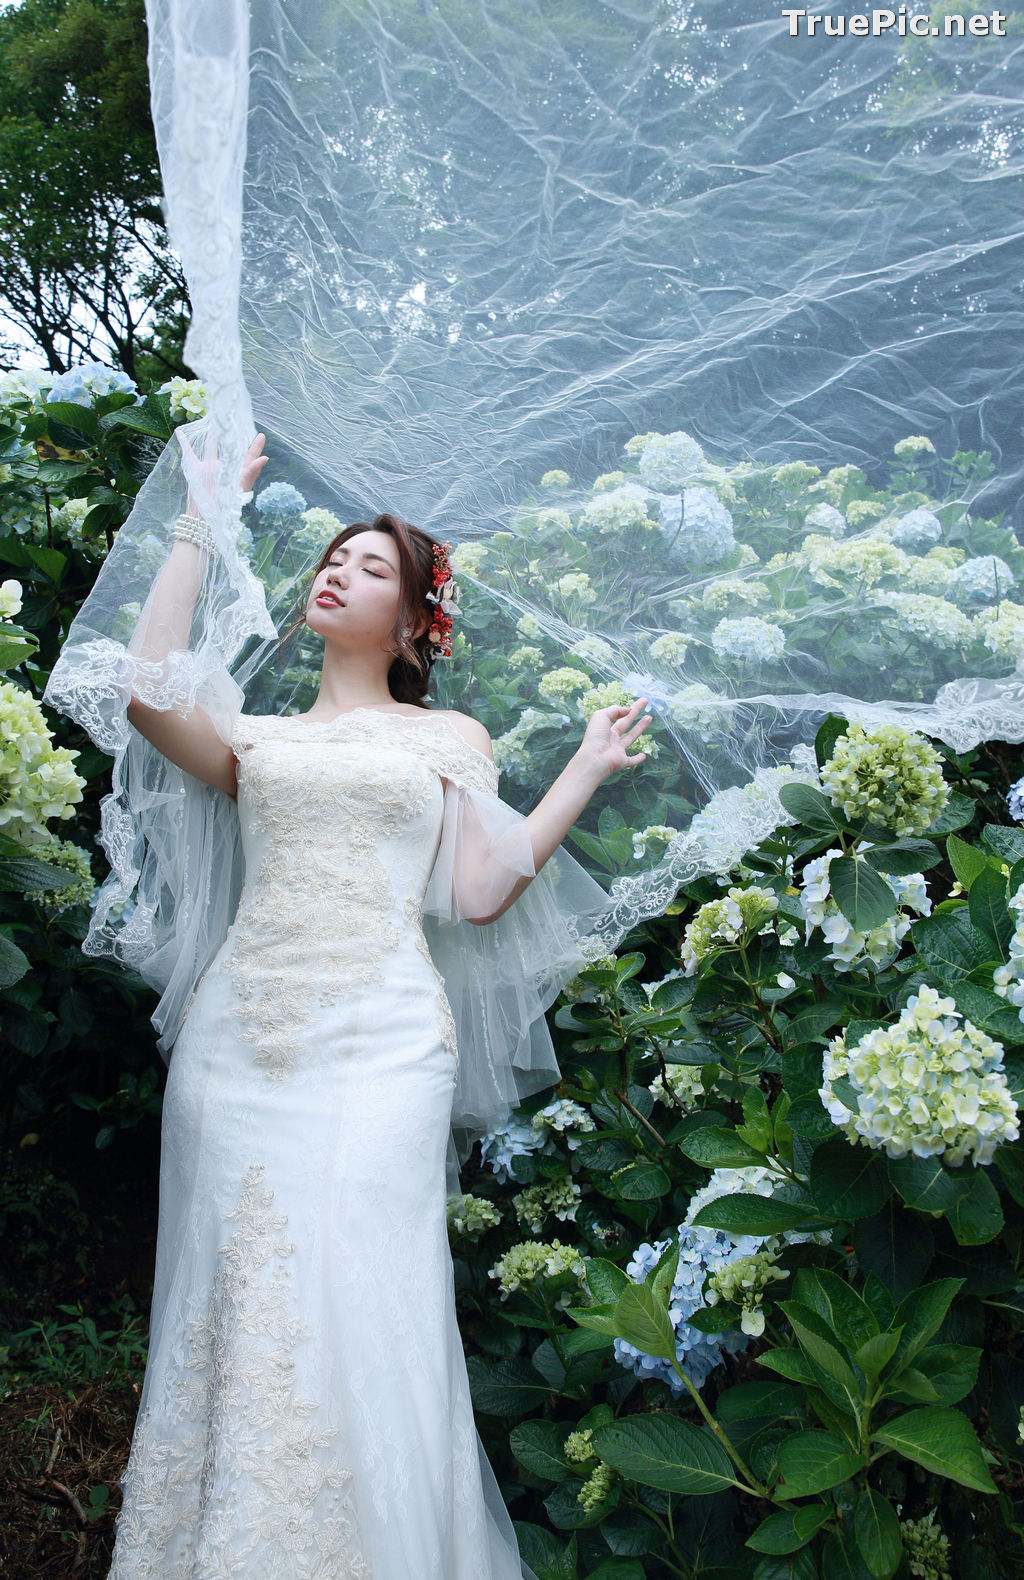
x=253 y=463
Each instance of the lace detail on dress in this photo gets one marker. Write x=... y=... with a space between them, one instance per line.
x=445 y=1018
x=438 y=743
x=235 y=1424
x=319 y=911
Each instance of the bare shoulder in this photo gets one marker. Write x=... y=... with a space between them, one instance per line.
x=472 y=731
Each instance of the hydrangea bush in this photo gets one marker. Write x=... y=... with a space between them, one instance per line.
x=743 y=1298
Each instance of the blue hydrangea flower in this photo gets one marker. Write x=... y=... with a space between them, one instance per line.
x=89 y=382
x=500 y=1147
x=705 y=534
x=918 y=529
x=985 y=579
x=1015 y=801
x=701 y=1251
x=280 y=504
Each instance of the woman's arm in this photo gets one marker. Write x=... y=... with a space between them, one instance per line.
x=603 y=751
x=189 y=740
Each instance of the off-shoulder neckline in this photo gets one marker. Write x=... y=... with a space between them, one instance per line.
x=428 y=716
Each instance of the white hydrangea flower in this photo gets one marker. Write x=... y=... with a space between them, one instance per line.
x=682 y=1088
x=720 y=923
x=611 y=695
x=729 y=591
x=528 y=628
x=699 y=709
x=512 y=750
x=925 y=1086
x=917 y=529
x=668 y=461
x=470 y=1215
x=826 y=518
x=848 y=948
x=934 y=621
x=929 y=573
x=556 y=478
x=913 y=445
x=867 y=559
x=748 y=639
x=862 y=512
x=24 y=384
x=558 y=1198
x=607 y=480
x=592 y=650
x=744 y=1282
x=525 y=658
x=1002 y=630
x=562 y=685
x=795 y=474
x=927 y=1549
x=889 y=774
x=533 y=1262
x=1008 y=979
x=190 y=398
x=653 y=838
x=984 y=579
x=620 y=510
x=671 y=648
x=574 y=587
x=318 y=528
x=10 y=599
x=37 y=780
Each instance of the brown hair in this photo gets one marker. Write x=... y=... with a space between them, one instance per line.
x=409 y=675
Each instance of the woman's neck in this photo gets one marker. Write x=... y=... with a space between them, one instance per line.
x=352 y=680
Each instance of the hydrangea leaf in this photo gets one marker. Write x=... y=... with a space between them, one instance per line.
x=13 y=963
x=863 y=896
x=876 y=1529
x=957 y=812
x=796 y=1566
x=788 y=1532
x=904 y=856
x=761 y=1215
x=951 y=1368
x=896 y=1246
x=941 y=1440
x=1007 y=843
x=643 y=1321
x=848 y=1182
x=754 y=1400
x=921 y=1314
x=967 y=862
x=875 y=1354
x=923 y=1183
x=716 y=1147
x=976 y=1217
x=989 y=1012
x=663 y=1451
x=837 y=1304
x=604 y=1280
x=814 y=1461
x=989 y=911
x=829 y=731
x=544 y=1553
x=951 y=945
x=640 y=1182
x=812 y=810
x=508 y=1387
x=538 y=1446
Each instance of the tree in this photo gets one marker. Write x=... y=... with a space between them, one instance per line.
x=85 y=268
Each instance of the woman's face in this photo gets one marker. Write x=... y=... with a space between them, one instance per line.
x=355 y=599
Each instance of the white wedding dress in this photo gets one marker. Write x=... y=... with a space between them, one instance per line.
x=306 y=1410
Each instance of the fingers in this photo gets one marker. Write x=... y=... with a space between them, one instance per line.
x=638 y=729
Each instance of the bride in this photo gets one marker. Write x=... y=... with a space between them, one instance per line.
x=306 y=1410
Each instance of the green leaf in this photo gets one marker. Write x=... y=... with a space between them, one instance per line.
x=841 y=1560
x=976 y=1217
x=923 y=1183
x=604 y=1280
x=903 y=856
x=957 y=812
x=509 y=1387
x=796 y=1566
x=599 y=1318
x=715 y=1147
x=874 y=1355
x=791 y=1364
x=814 y=1461
x=761 y=1215
x=51 y=562
x=989 y=1012
x=896 y=1246
x=26 y=874
x=951 y=1368
x=147 y=418
x=942 y=1441
x=1006 y=843
x=848 y=1182
x=1009 y=1160
x=643 y=1321
x=663 y=1451
x=824 y=1347
x=989 y=911
x=538 y=1446
x=787 y=1533
x=829 y=731
x=921 y=1314
x=544 y=1553
x=877 y=1530
x=81 y=420
x=748 y=1401
x=966 y=862
x=812 y=810
x=864 y=898
x=618 y=1569
x=951 y=945
x=837 y=1304
x=640 y=1182
x=13 y=649
x=13 y=964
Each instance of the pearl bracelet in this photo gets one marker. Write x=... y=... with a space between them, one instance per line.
x=193 y=529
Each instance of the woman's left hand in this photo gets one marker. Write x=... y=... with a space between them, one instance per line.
x=609 y=735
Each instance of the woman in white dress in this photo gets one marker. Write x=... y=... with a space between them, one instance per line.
x=306 y=1411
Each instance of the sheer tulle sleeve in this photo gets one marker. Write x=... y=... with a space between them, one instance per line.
x=172 y=842
x=502 y=975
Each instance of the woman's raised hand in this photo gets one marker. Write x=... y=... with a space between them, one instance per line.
x=253 y=463
x=609 y=735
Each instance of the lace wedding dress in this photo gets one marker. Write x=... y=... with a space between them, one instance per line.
x=306 y=1411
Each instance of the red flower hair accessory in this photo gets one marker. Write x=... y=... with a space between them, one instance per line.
x=445 y=594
